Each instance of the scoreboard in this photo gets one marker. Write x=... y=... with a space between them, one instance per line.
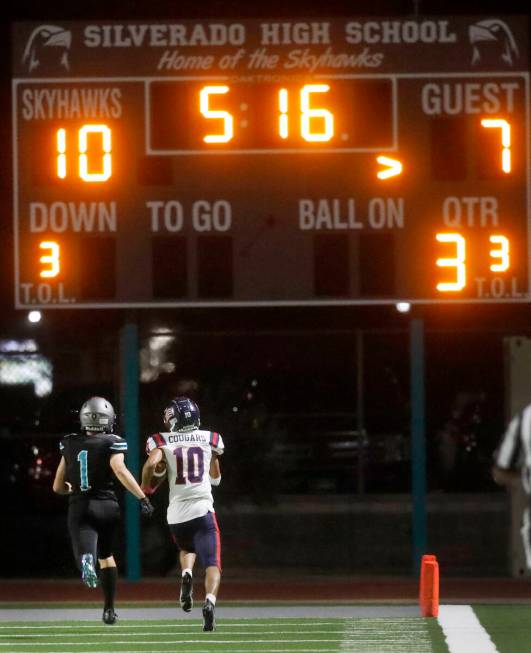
x=271 y=162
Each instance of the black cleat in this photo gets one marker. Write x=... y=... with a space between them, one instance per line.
x=209 y=623
x=187 y=591
x=109 y=616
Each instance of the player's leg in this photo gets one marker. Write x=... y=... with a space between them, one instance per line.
x=526 y=536
x=187 y=562
x=84 y=540
x=212 y=582
x=106 y=516
x=207 y=543
x=108 y=578
x=181 y=534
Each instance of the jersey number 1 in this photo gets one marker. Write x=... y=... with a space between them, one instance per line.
x=82 y=458
x=195 y=465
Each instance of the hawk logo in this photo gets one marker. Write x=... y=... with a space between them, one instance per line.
x=47 y=44
x=491 y=41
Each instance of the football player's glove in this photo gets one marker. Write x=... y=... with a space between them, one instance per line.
x=97 y=414
x=146 y=507
x=181 y=414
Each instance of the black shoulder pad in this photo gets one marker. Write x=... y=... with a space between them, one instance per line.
x=114 y=437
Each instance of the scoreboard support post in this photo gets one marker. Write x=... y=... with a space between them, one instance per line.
x=418 y=441
x=129 y=401
x=360 y=415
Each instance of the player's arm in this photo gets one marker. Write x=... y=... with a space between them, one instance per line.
x=215 y=470
x=125 y=477
x=60 y=484
x=506 y=468
x=505 y=476
x=150 y=479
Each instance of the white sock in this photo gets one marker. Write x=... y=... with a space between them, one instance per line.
x=211 y=598
x=187 y=571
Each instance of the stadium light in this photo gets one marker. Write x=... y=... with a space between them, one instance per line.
x=34 y=317
x=403 y=307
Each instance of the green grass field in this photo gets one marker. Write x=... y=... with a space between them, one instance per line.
x=509 y=628
x=241 y=636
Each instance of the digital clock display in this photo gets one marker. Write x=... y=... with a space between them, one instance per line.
x=271 y=162
x=328 y=115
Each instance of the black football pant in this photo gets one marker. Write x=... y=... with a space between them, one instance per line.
x=92 y=524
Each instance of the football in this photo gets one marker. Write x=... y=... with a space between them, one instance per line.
x=160 y=469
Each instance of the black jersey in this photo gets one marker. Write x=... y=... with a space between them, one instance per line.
x=87 y=459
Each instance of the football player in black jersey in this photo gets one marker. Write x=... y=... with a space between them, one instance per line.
x=89 y=462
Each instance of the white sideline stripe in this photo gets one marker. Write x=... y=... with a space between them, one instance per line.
x=463 y=631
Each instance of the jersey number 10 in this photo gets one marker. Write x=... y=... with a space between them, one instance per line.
x=194 y=469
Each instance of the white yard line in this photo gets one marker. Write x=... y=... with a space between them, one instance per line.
x=379 y=623
x=463 y=631
x=212 y=642
x=160 y=633
x=233 y=650
x=403 y=635
x=129 y=626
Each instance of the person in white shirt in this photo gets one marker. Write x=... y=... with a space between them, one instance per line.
x=512 y=466
x=190 y=458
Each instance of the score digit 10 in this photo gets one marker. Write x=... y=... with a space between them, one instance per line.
x=500 y=254
x=86 y=133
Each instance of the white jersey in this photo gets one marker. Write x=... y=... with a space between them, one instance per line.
x=514 y=452
x=187 y=455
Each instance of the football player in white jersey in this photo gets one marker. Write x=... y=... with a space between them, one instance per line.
x=191 y=459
